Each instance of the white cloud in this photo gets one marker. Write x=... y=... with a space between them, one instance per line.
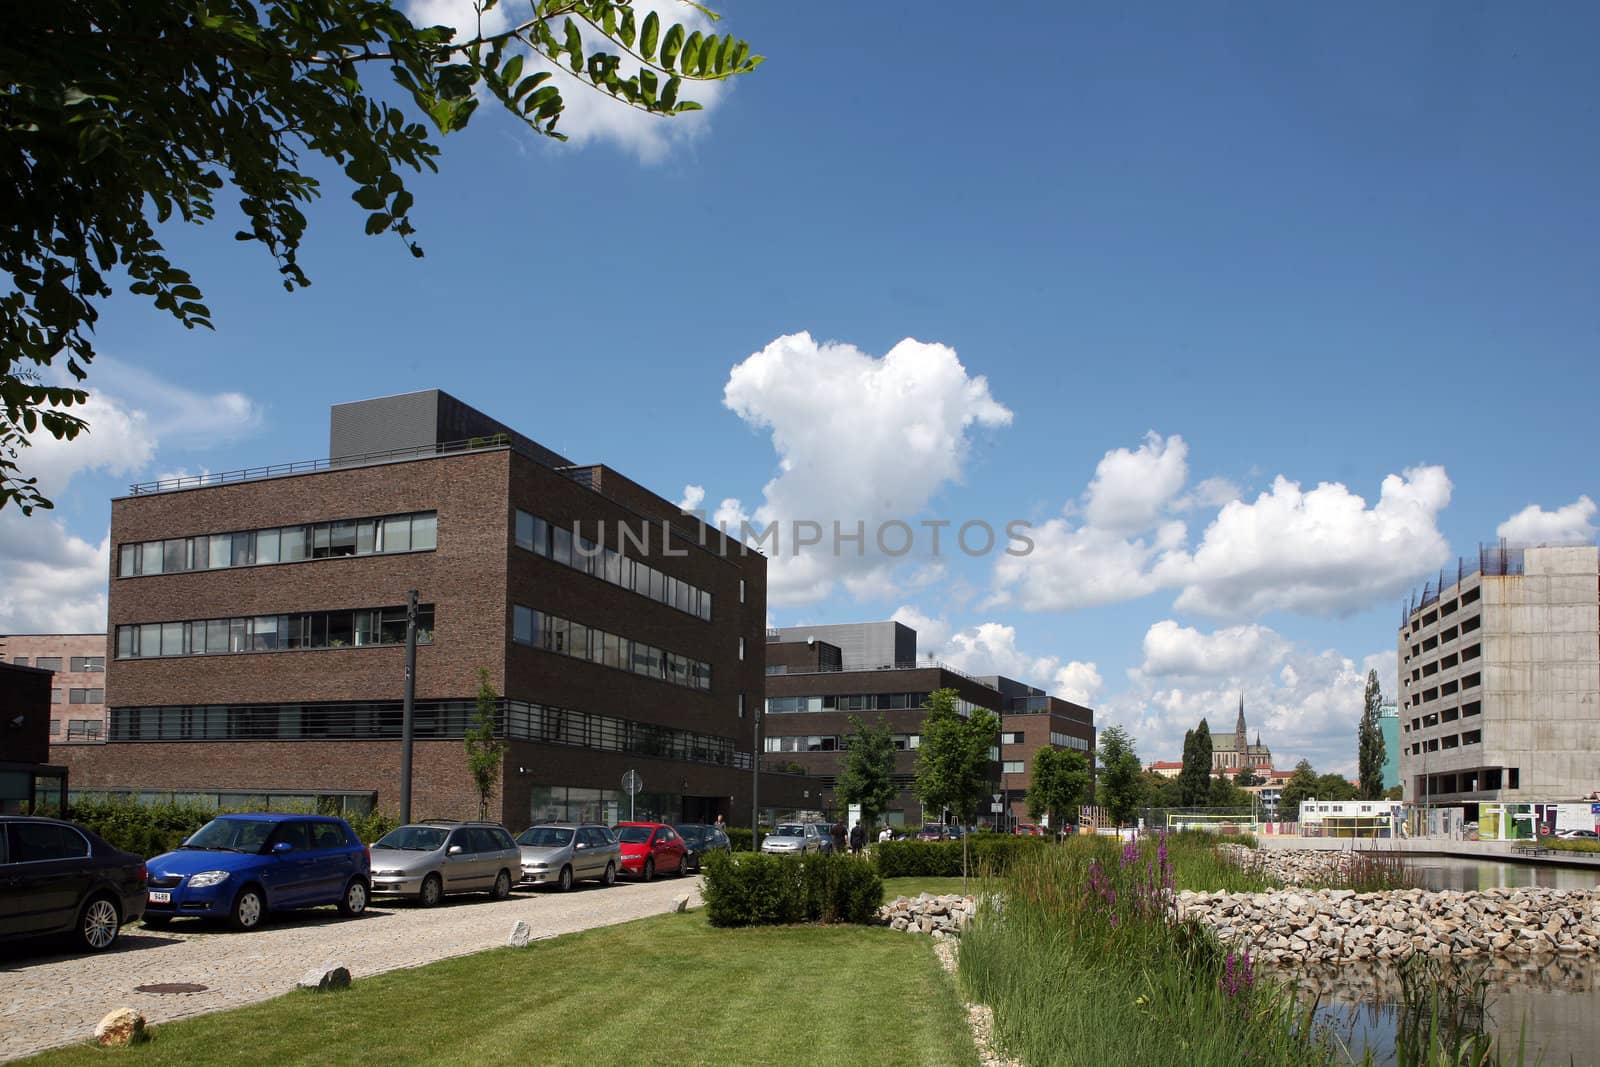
x=118 y=441
x=1171 y=649
x=50 y=580
x=1322 y=552
x=590 y=115
x=991 y=648
x=1572 y=524
x=1132 y=487
x=932 y=633
x=861 y=441
x=1077 y=682
x=693 y=497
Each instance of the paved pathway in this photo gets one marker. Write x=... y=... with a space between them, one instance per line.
x=48 y=999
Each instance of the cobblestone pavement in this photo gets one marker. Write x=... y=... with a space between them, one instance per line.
x=48 y=999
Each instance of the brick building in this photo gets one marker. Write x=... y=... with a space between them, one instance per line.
x=77 y=692
x=258 y=625
x=818 y=677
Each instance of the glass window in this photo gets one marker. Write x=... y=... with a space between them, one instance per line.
x=264 y=634
x=522 y=624
x=366 y=537
x=577 y=640
x=97 y=696
x=522 y=529
x=238 y=635
x=172 y=643
x=197 y=638
x=563 y=545
x=77 y=696
x=125 y=642
x=366 y=627
x=342 y=538
x=395 y=535
x=216 y=631
x=129 y=556
x=292 y=544
x=541 y=536
x=38 y=842
x=150 y=553
x=174 y=556
x=392 y=626
x=244 y=549
x=424 y=531
x=341 y=628
x=48 y=663
x=320 y=534
x=55 y=696
x=267 y=546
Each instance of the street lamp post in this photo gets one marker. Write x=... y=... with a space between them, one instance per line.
x=408 y=708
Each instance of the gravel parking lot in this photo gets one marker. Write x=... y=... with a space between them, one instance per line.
x=52 y=999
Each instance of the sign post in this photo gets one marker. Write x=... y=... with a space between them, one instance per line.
x=631 y=784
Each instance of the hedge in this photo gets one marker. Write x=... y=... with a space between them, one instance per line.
x=755 y=889
x=989 y=853
x=151 y=829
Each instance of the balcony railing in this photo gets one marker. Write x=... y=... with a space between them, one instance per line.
x=311 y=466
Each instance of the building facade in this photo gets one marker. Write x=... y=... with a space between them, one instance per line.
x=78 y=690
x=1231 y=754
x=1031 y=720
x=258 y=624
x=1389 y=724
x=1500 y=681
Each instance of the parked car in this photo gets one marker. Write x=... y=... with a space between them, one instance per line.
x=824 y=835
x=931 y=833
x=428 y=860
x=1027 y=829
x=1572 y=834
x=59 y=878
x=649 y=848
x=702 y=840
x=793 y=839
x=242 y=867
x=563 y=853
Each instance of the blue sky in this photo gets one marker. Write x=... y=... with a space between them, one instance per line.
x=1238 y=244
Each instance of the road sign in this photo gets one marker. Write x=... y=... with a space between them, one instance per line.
x=632 y=782
x=996 y=807
x=996 y=797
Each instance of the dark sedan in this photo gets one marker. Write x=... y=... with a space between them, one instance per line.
x=58 y=878
x=701 y=839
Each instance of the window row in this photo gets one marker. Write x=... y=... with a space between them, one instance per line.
x=272 y=633
x=555 y=634
x=1013 y=766
x=80 y=664
x=846 y=702
x=1013 y=738
x=86 y=696
x=814 y=743
x=1069 y=741
x=517 y=720
x=415 y=532
x=559 y=543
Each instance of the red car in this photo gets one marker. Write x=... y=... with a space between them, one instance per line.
x=651 y=847
x=1028 y=830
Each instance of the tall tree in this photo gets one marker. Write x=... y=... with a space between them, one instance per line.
x=1060 y=783
x=866 y=773
x=1247 y=777
x=1195 y=779
x=1301 y=786
x=485 y=751
x=1119 y=787
x=1371 y=751
x=120 y=115
x=955 y=762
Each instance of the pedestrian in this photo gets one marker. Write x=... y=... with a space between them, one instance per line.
x=858 y=838
x=836 y=831
x=886 y=834
x=720 y=824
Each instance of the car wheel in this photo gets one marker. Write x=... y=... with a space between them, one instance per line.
x=98 y=925
x=249 y=908
x=564 y=882
x=611 y=874
x=432 y=891
x=354 y=901
x=502 y=886
x=648 y=872
x=155 y=921
x=683 y=865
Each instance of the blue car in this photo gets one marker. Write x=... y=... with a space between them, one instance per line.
x=240 y=867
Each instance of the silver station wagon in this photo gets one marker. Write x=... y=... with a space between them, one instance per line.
x=428 y=860
x=559 y=854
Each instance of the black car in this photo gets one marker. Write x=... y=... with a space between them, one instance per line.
x=701 y=839
x=58 y=878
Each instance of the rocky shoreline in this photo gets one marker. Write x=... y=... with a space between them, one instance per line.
x=1336 y=925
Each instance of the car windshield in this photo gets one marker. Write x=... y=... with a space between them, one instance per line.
x=791 y=829
x=545 y=837
x=231 y=835
x=633 y=835
x=692 y=834
x=413 y=838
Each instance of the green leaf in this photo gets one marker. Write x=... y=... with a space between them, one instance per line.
x=669 y=94
x=377 y=222
x=512 y=70
x=725 y=54
x=368 y=197
x=671 y=46
x=574 y=47
x=647 y=39
x=691 y=52
x=530 y=83
x=626 y=31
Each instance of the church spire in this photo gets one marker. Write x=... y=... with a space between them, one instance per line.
x=1239 y=729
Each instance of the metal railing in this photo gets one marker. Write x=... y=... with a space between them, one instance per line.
x=925 y=665
x=311 y=466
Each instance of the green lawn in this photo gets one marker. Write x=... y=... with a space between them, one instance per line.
x=910 y=887
x=669 y=989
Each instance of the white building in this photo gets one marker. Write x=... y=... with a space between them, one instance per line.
x=1500 y=681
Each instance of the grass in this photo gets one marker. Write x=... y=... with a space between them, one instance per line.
x=1568 y=844
x=669 y=989
x=910 y=887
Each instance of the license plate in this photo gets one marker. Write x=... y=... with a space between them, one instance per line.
x=158 y=896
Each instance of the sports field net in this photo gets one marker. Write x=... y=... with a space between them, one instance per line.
x=1217 y=824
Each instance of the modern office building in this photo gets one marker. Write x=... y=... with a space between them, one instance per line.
x=1389 y=724
x=78 y=690
x=259 y=620
x=1500 y=680
x=815 y=686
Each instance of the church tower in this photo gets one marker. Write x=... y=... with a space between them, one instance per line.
x=1241 y=741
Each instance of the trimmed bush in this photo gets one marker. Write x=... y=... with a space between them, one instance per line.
x=753 y=889
x=739 y=838
x=151 y=829
x=988 y=853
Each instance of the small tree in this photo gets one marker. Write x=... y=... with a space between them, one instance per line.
x=1060 y=783
x=485 y=751
x=1248 y=776
x=1301 y=786
x=954 y=765
x=1369 y=741
x=866 y=774
x=1196 y=775
x=1119 y=778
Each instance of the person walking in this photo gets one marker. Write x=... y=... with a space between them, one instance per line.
x=720 y=824
x=858 y=839
x=836 y=831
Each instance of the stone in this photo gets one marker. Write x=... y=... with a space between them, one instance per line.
x=521 y=934
x=121 y=1027
x=330 y=976
x=679 y=904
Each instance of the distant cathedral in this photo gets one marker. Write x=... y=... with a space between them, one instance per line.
x=1232 y=754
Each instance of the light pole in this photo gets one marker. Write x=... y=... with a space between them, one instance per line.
x=408 y=708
